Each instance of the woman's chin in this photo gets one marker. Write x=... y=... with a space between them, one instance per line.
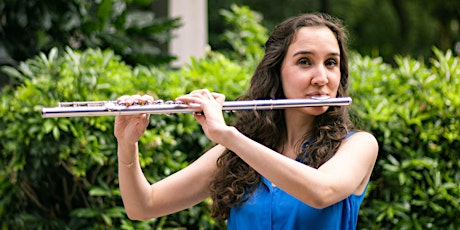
x=317 y=110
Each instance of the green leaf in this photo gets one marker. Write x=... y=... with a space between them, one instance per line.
x=99 y=192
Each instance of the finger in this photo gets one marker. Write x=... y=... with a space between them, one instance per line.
x=202 y=93
x=145 y=117
x=132 y=100
x=122 y=99
x=129 y=100
x=136 y=97
x=200 y=117
x=218 y=96
x=193 y=97
x=146 y=99
x=199 y=91
x=209 y=94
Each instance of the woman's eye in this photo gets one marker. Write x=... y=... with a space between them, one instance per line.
x=303 y=61
x=331 y=62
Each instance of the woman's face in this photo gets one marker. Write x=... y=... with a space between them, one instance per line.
x=311 y=67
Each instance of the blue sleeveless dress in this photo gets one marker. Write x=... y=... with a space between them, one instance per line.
x=272 y=208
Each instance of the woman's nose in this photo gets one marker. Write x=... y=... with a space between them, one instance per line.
x=320 y=76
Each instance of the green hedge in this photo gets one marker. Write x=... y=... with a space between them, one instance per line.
x=61 y=173
x=413 y=109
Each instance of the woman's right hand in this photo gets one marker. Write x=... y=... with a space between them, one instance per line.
x=129 y=128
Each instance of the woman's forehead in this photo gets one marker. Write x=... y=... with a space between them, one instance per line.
x=315 y=37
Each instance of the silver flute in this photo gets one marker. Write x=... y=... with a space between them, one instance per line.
x=112 y=108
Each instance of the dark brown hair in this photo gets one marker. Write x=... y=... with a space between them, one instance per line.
x=235 y=181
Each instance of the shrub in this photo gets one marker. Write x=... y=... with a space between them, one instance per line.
x=62 y=172
x=129 y=27
x=413 y=111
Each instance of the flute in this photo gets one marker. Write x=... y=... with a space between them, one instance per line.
x=112 y=108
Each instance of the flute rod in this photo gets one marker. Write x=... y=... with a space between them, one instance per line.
x=112 y=109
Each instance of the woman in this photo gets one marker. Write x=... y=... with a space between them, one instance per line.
x=282 y=169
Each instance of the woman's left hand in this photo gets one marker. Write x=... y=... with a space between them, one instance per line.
x=211 y=118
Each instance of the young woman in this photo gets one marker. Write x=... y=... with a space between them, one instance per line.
x=294 y=168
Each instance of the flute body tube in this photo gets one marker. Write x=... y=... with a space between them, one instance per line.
x=111 y=108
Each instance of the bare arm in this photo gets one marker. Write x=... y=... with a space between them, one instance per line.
x=143 y=200
x=344 y=174
x=172 y=194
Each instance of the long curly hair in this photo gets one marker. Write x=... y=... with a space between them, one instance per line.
x=235 y=181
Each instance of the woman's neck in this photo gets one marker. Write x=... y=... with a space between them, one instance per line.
x=298 y=125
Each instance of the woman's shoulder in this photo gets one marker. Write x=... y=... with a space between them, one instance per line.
x=361 y=133
x=363 y=137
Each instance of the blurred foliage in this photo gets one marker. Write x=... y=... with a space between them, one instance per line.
x=377 y=28
x=413 y=111
x=245 y=34
x=129 y=27
x=382 y=28
x=61 y=173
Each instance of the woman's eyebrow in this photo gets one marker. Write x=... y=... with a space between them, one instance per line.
x=303 y=52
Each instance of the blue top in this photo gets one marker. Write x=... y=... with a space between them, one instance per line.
x=272 y=208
